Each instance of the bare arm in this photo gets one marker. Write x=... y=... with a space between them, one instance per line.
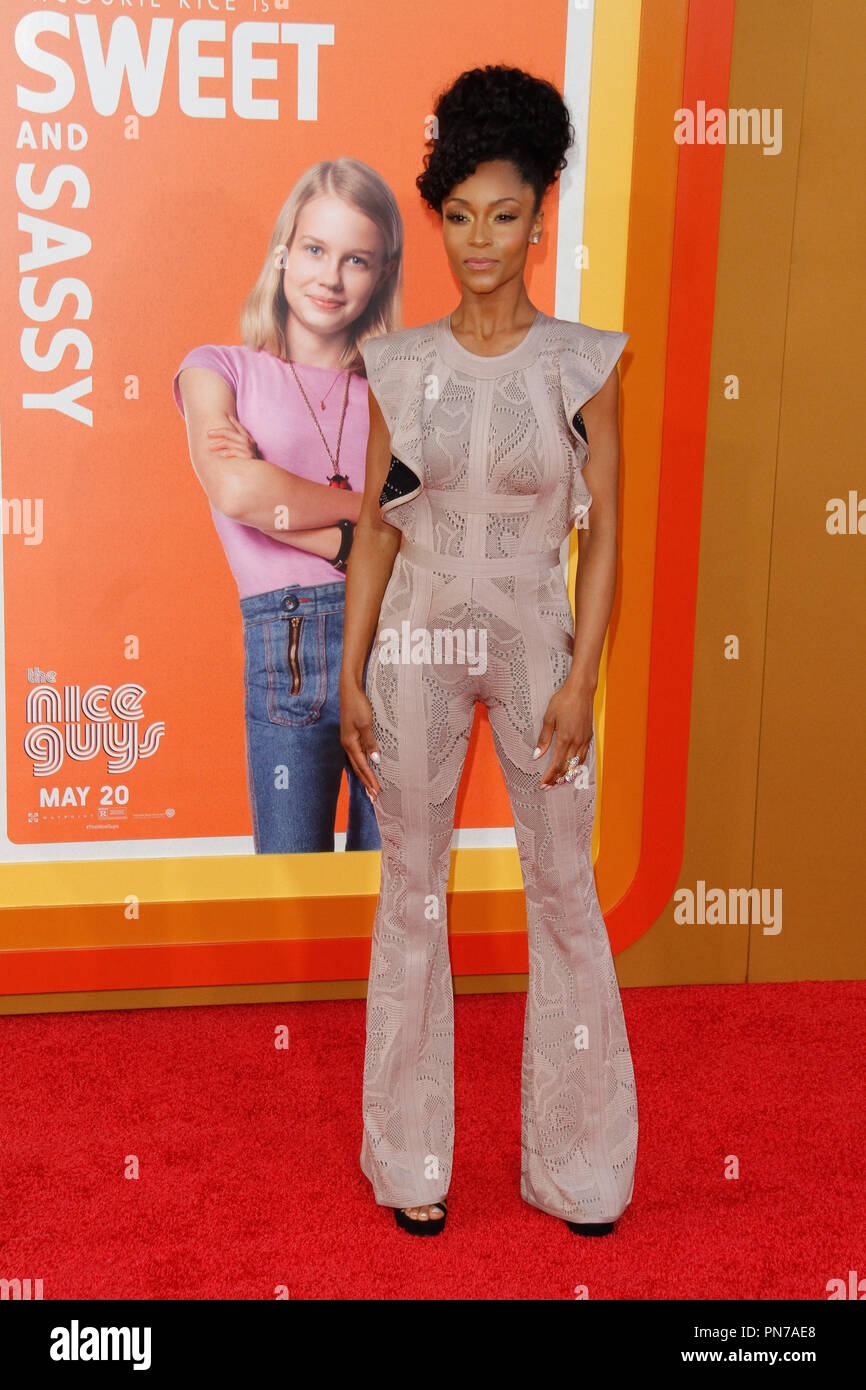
x=569 y=713
x=321 y=540
x=598 y=547
x=252 y=490
x=371 y=563
x=232 y=441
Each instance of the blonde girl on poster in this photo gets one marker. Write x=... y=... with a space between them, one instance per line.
x=277 y=432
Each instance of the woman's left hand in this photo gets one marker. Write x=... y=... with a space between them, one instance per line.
x=233 y=441
x=569 y=717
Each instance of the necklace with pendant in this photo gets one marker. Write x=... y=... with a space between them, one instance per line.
x=337 y=479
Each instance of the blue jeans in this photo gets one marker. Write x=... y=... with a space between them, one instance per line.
x=293 y=648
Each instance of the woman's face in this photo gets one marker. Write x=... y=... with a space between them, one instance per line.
x=487 y=221
x=333 y=266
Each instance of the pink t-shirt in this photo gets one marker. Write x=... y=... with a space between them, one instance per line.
x=270 y=406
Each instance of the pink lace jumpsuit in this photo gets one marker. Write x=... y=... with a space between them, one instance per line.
x=496 y=457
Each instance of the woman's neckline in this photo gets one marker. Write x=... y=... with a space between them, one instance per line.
x=305 y=366
x=490 y=364
x=310 y=366
x=492 y=356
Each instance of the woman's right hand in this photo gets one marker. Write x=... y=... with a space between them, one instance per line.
x=356 y=734
x=233 y=441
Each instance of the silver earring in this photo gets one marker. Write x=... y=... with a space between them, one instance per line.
x=535 y=239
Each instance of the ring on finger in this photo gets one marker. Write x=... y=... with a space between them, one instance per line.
x=572 y=769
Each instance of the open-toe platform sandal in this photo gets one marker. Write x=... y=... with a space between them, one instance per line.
x=431 y=1227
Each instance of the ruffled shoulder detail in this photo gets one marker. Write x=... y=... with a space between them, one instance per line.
x=397 y=367
x=587 y=356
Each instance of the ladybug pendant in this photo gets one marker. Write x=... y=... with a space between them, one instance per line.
x=340 y=480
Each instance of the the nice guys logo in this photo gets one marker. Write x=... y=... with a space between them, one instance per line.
x=70 y=724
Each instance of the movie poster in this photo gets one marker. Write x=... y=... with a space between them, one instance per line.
x=148 y=149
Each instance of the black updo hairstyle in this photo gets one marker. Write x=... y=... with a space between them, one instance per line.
x=496 y=113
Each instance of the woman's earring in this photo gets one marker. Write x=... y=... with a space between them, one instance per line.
x=535 y=239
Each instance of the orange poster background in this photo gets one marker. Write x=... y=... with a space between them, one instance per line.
x=179 y=212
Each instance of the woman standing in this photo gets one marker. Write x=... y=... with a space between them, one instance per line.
x=277 y=435
x=482 y=424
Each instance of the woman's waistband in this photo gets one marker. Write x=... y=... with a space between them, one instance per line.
x=476 y=502
x=296 y=598
x=532 y=563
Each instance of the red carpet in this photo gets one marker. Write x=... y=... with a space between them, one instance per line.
x=249 y=1172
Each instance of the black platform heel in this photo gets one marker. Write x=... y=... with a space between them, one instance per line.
x=431 y=1227
x=591 y=1228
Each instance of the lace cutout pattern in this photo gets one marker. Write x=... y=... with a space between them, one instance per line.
x=489 y=439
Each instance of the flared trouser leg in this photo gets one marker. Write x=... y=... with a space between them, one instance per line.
x=578 y=1097
x=422 y=719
